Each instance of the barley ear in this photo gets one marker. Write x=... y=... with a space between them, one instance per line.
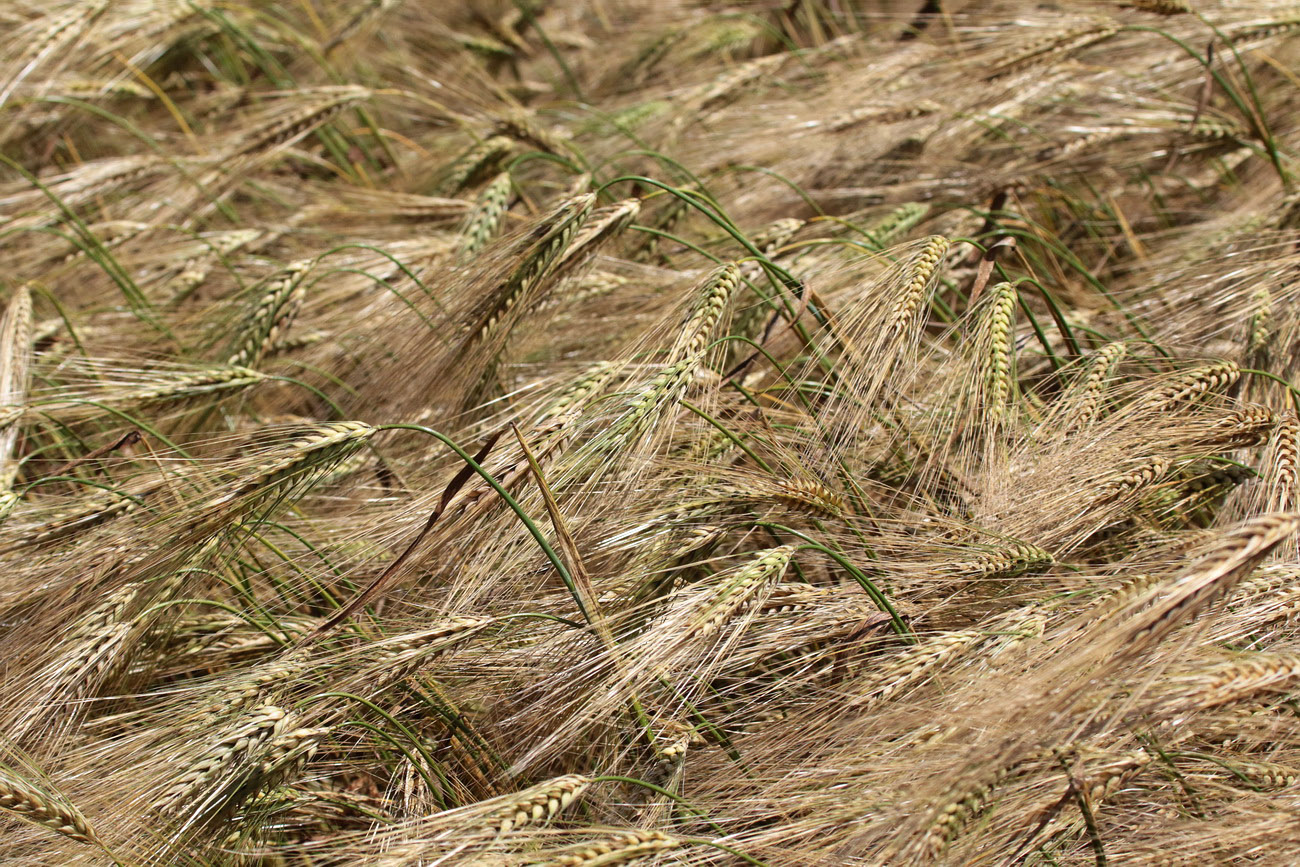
x=43 y=806
x=15 y=375
x=1214 y=574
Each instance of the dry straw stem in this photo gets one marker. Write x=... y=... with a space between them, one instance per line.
x=584 y=590
x=460 y=504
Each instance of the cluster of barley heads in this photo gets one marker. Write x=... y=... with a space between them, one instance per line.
x=578 y=432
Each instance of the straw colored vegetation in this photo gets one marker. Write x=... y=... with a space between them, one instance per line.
x=655 y=432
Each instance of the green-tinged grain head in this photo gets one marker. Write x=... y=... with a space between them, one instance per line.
x=524 y=127
x=602 y=225
x=776 y=235
x=1159 y=7
x=1241 y=428
x=667 y=387
x=963 y=801
x=1089 y=394
x=921 y=271
x=276 y=303
x=711 y=300
x=236 y=753
x=664 y=220
x=398 y=657
x=158 y=391
x=538 y=252
x=1255 y=675
x=257 y=685
x=1123 y=486
x=915 y=665
x=809 y=495
x=287 y=754
x=282 y=130
x=87 y=512
x=997 y=365
x=480 y=161
x=1005 y=562
x=734 y=592
x=1054 y=45
x=574 y=396
x=484 y=220
x=307 y=455
x=887 y=114
x=44 y=39
x=1260 y=333
x=891 y=228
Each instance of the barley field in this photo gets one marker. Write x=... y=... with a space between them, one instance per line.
x=649 y=432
